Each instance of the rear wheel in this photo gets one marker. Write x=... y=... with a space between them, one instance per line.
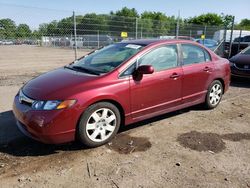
x=214 y=94
x=99 y=124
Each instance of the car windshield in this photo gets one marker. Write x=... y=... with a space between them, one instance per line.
x=107 y=58
x=246 y=51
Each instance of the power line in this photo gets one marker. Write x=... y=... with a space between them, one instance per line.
x=33 y=7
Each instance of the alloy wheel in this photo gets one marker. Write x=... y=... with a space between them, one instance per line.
x=101 y=124
x=215 y=94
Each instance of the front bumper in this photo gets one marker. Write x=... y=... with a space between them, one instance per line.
x=51 y=127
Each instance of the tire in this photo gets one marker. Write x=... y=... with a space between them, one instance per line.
x=98 y=124
x=214 y=94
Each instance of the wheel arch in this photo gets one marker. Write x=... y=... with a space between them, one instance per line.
x=118 y=105
x=114 y=102
x=222 y=82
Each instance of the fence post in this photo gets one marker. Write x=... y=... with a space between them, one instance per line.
x=178 y=25
x=136 y=27
x=204 y=33
x=98 y=39
x=224 y=41
x=239 y=41
x=231 y=38
x=141 y=27
x=74 y=18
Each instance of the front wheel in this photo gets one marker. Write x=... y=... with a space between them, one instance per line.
x=214 y=94
x=99 y=124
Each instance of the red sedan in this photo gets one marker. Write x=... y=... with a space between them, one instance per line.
x=118 y=85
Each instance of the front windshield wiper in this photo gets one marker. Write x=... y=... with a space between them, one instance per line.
x=85 y=69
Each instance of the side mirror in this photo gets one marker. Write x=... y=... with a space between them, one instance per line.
x=145 y=69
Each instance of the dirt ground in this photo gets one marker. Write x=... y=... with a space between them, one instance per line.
x=188 y=148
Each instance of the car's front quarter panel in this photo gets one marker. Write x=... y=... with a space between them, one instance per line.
x=110 y=89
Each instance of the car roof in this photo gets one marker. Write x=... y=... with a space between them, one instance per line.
x=146 y=42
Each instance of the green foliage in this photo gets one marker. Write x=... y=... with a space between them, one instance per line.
x=126 y=12
x=206 y=19
x=148 y=24
x=23 y=31
x=123 y=20
x=7 y=28
x=244 y=24
x=156 y=23
x=92 y=24
x=227 y=20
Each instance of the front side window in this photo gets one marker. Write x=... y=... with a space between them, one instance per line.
x=162 y=58
x=194 y=54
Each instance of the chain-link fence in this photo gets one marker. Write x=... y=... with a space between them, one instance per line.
x=64 y=29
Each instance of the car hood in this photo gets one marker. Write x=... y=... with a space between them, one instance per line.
x=241 y=59
x=57 y=84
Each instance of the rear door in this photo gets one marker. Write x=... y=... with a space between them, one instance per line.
x=156 y=92
x=197 y=72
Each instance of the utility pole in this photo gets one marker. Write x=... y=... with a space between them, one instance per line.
x=74 y=18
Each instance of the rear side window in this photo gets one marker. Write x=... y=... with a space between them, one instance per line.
x=194 y=54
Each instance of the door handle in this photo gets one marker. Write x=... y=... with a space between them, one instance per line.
x=207 y=69
x=175 y=76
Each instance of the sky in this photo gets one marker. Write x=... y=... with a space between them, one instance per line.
x=35 y=12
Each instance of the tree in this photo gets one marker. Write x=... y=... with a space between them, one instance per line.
x=92 y=24
x=126 y=12
x=52 y=28
x=23 y=31
x=244 y=24
x=7 y=28
x=206 y=19
x=123 y=20
x=156 y=23
x=43 y=29
x=227 y=20
x=66 y=26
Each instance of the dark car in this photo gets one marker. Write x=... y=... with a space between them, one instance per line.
x=240 y=64
x=118 y=85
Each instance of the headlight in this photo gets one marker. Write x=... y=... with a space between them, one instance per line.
x=52 y=105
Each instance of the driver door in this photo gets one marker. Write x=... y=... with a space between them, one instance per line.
x=156 y=93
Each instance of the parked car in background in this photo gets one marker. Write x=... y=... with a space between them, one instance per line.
x=7 y=42
x=117 y=85
x=179 y=37
x=91 y=41
x=242 y=39
x=209 y=43
x=240 y=64
x=185 y=38
x=219 y=35
x=61 y=42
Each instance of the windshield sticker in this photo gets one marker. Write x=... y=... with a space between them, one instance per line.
x=133 y=46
